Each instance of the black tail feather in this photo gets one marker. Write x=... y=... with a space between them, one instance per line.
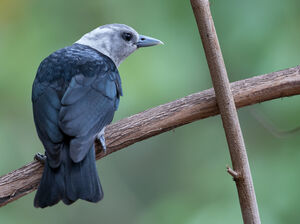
x=69 y=182
x=82 y=180
x=51 y=188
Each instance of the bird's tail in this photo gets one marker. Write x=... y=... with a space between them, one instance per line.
x=70 y=181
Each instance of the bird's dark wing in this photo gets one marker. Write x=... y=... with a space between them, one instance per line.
x=88 y=105
x=74 y=95
x=46 y=106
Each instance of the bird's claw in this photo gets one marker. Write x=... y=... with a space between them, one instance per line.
x=101 y=138
x=40 y=157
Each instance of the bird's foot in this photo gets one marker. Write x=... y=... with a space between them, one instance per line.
x=101 y=138
x=40 y=157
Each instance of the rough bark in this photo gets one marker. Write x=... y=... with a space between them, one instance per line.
x=161 y=119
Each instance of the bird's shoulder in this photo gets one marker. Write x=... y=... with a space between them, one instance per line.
x=57 y=70
x=73 y=60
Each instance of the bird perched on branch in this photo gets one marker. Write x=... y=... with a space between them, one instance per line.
x=75 y=95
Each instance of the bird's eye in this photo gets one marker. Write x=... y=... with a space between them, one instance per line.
x=127 y=36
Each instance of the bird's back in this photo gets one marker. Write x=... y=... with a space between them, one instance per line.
x=58 y=68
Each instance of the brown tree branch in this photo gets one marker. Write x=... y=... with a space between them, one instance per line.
x=241 y=169
x=161 y=119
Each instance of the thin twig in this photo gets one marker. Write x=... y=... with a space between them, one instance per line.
x=163 y=118
x=233 y=173
x=228 y=111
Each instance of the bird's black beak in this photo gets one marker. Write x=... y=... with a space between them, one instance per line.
x=145 y=41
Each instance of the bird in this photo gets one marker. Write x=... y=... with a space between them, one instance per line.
x=75 y=94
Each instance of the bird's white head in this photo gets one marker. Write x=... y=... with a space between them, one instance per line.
x=117 y=41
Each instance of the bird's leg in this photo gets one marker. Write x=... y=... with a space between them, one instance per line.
x=40 y=157
x=101 y=138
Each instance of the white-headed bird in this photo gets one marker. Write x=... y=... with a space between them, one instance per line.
x=75 y=94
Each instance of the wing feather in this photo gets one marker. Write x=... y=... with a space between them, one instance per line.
x=83 y=117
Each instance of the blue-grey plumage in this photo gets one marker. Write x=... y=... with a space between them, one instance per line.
x=75 y=95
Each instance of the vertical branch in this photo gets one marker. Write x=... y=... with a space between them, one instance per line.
x=241 y=170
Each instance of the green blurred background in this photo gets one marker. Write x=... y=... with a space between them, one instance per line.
x=179 y=176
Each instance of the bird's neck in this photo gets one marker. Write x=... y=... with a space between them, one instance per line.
x=100 y=46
